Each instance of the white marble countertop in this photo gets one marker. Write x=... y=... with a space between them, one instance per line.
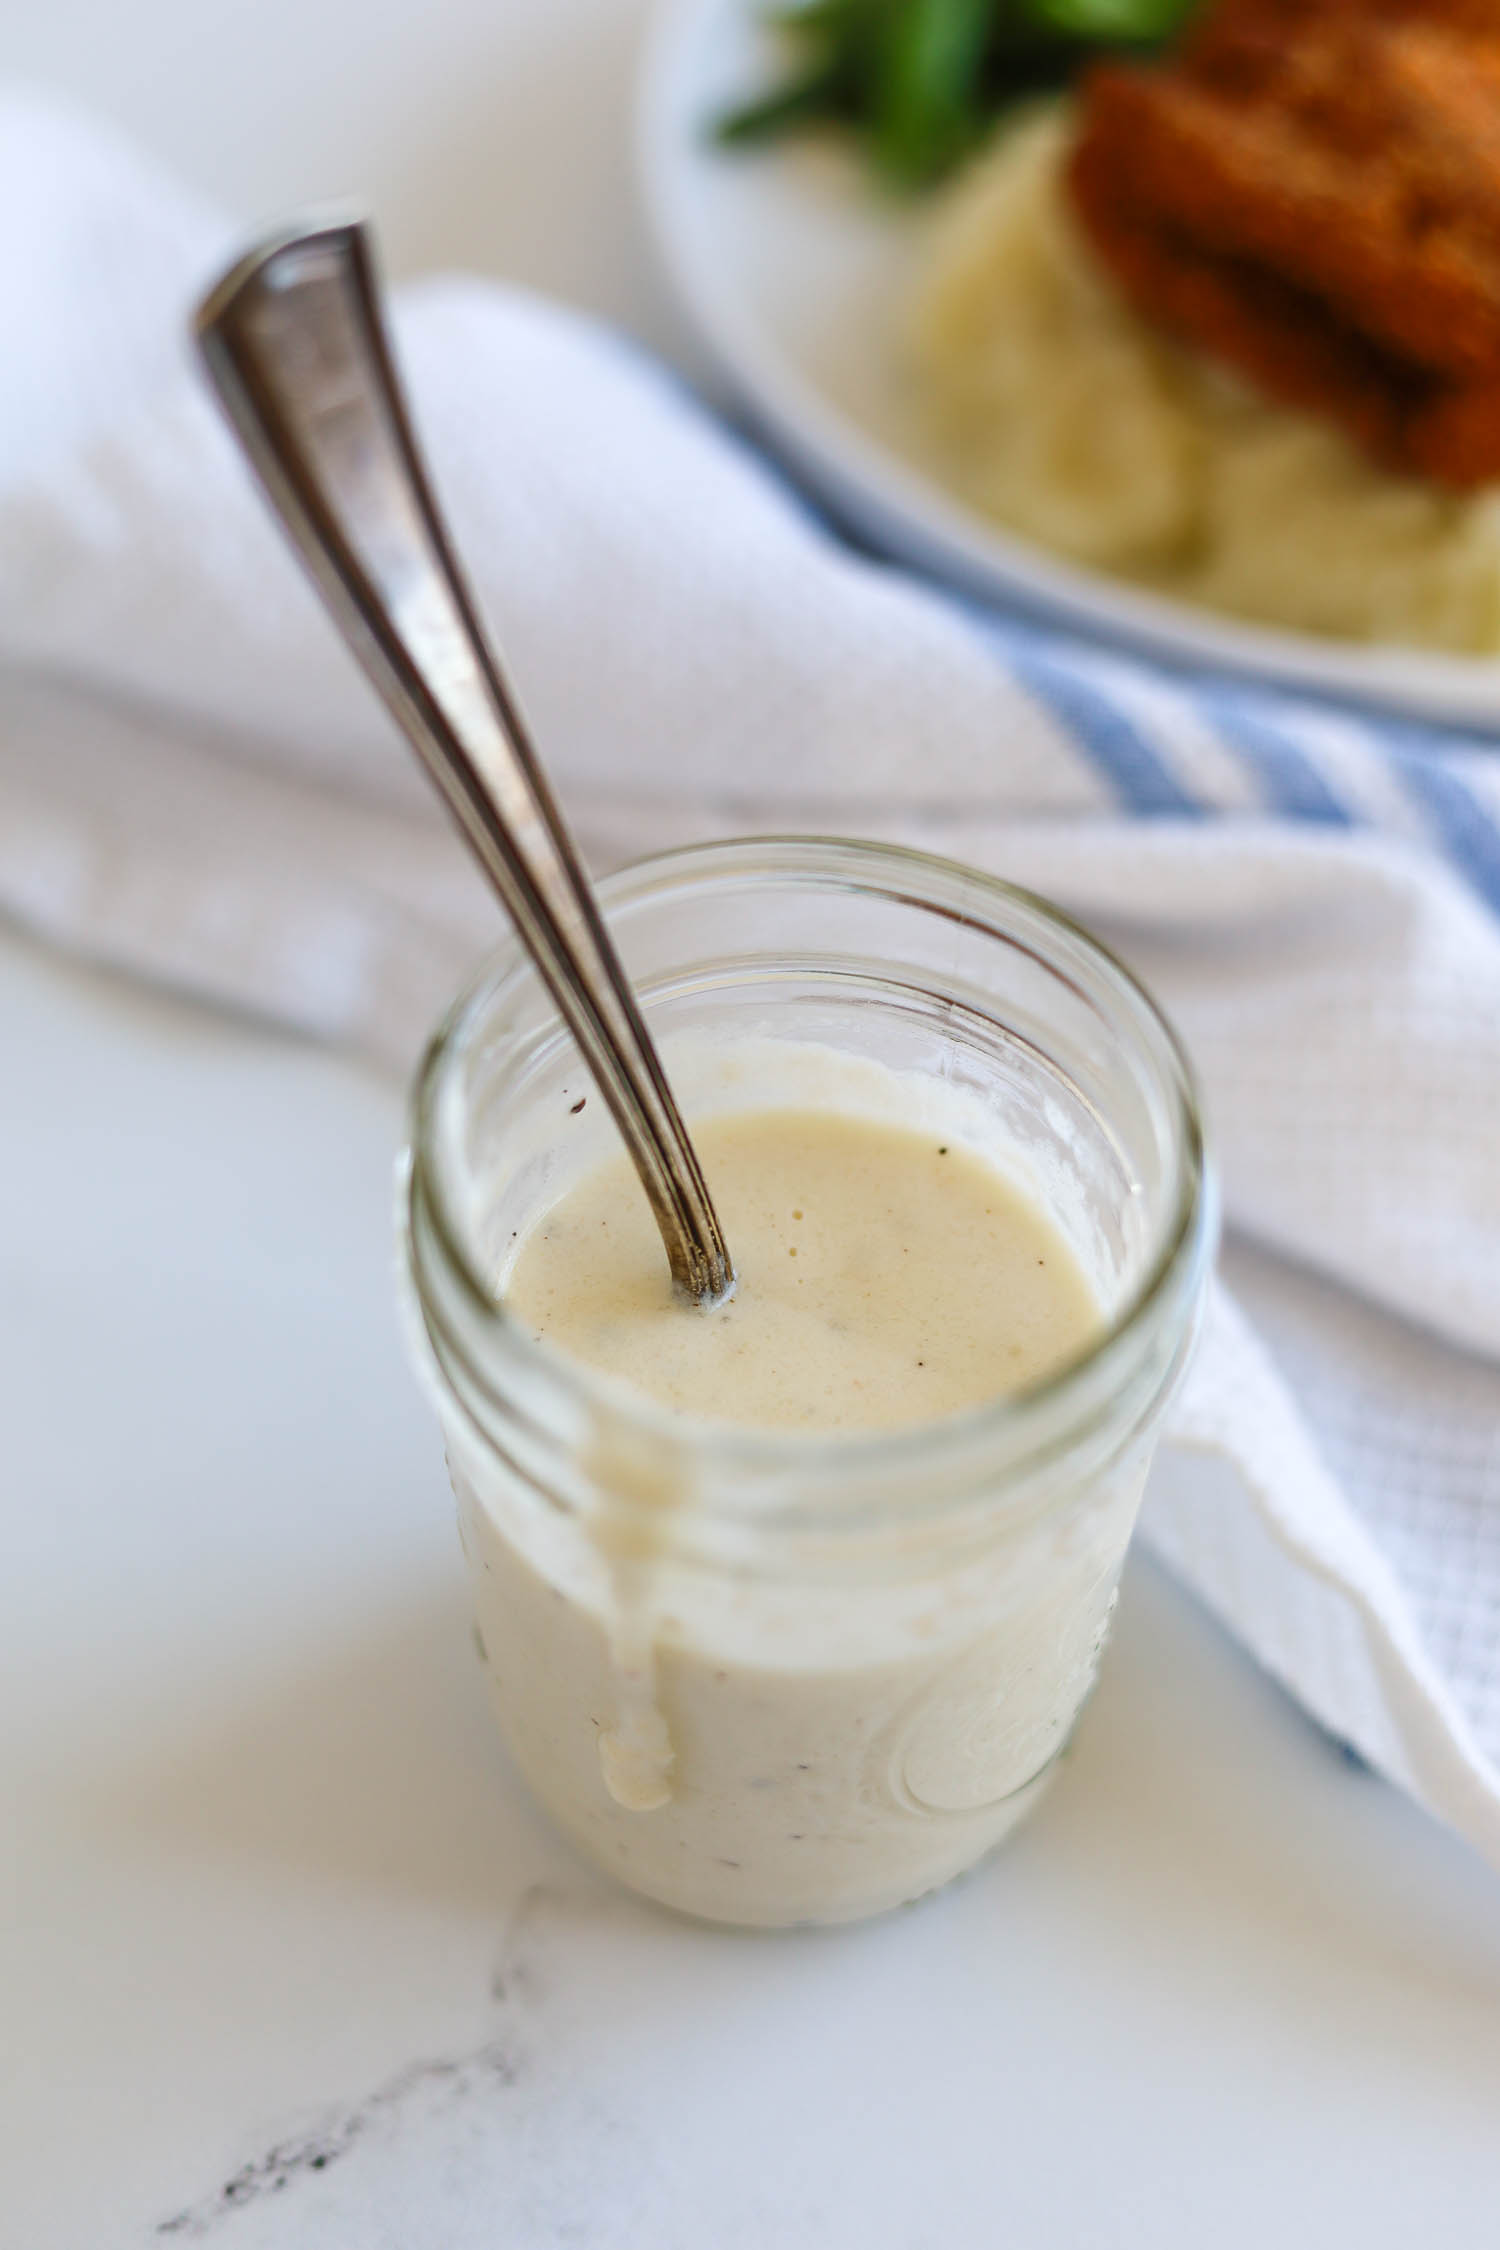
x=270 y=1867
x=286 y=1957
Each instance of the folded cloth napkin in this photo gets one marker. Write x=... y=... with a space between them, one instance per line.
x=194 y=782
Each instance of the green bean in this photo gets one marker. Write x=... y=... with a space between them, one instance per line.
x=920 y=81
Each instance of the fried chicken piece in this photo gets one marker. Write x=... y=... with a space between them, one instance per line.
x=1310 y=192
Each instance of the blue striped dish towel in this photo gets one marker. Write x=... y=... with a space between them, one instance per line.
x=193 y=784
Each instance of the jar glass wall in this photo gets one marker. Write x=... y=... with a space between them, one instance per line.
x=769 y=1678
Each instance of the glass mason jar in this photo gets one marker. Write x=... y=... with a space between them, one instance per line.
x=770 y=1678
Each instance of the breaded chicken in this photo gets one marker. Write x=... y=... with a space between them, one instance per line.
x=1310 y=192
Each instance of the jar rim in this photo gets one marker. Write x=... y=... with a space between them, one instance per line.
x=902 y=874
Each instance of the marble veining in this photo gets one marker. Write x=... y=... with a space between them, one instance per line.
x=305 y=2155
x=416 y=2098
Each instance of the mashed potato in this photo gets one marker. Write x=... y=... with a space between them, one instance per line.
x=1063 y=415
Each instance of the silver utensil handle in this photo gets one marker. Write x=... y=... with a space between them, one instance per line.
x=295 y=346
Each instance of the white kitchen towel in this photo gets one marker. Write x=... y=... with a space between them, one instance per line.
x=194 y=782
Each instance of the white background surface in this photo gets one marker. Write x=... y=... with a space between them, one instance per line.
x=265 y=1853
x=486 y=134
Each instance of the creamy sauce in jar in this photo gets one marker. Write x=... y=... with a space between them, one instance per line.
x=771 y=1747
x=789 y=1613
x=885 y=1277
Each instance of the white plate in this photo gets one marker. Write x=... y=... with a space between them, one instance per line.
x=793 y=271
